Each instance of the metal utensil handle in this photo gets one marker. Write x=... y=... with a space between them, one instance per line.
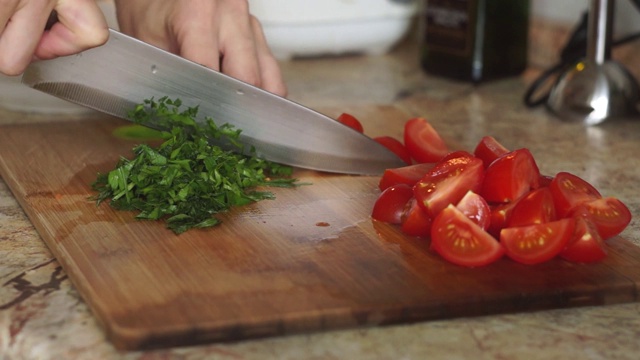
x=599 y=30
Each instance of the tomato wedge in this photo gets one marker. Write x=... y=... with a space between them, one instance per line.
x=489 y=149
x=609 y=215
x=415 y=221
x=500 y=215
x=456 y=154
x=475 y=208
x=586 y=245
x=536 y=207
x=461 y=241
x=423 y=142
x=510 y=176
x=569 y=191
x=538 y=243
x=351 y=121
x=394 y=145
x=409 y=175
x=447 y=182
x=391 y=203
x=545 y=180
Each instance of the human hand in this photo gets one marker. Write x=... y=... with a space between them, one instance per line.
x=219 y=34
x=80 y=26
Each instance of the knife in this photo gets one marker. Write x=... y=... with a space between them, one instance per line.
x=122 y=73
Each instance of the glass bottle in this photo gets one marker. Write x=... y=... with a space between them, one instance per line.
x=474 y=40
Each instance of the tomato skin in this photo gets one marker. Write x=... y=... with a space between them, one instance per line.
x=536 y=207
x=395 y=146
x=586 y=245
x=537 y=243
x=409 y=175
x=423 y=142
x=456 y=154
x=510 y=176
x=447 y=182
x=500 y=215
x=415 y=221
x=569 y=191
x=545 y=180
x=609 y=215
x=474 y=207
x=461 y=241
x=351 y=121
x=391 y=204
x=489 y=149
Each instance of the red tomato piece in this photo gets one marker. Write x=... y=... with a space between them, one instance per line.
x=510 y=176
x=586 y=245
x=415 y=221
x=500 y=215
x=457 y=154
x=609 y=215
x=409 y=175
x=461 y=241
x=475 y=208
x=545 y=180
x=489 y=149
x=423 y=142
x=569 y=191
x=536 y=207
x=394 y=145
x=351 y=121
x=538 y=243
x=391 y=204
x=448 y=182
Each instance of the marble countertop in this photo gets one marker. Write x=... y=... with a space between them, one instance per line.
x=43 y=317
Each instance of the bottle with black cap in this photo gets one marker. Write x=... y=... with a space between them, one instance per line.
x=474 y=40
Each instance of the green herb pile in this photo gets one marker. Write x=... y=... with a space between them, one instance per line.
x=186 y=180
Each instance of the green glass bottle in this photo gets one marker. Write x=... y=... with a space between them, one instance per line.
x=474 y=40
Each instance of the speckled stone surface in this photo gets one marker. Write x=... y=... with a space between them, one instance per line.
x=43 y=317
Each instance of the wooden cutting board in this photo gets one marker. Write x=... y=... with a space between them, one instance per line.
x=312 y=259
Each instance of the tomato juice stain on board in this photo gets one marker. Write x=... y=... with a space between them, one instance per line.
x=136 y=132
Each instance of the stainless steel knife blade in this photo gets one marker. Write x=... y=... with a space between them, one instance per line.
x=124 y=72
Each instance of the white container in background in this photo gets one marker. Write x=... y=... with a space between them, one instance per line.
x=302 y=28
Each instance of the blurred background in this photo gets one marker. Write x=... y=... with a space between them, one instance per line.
x=370 y=28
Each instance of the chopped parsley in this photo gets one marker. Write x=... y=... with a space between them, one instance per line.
x=186 y=180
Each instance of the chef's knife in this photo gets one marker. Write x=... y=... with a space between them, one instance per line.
x=121 y=74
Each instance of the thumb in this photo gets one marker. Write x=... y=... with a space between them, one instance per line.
x=80 y=26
